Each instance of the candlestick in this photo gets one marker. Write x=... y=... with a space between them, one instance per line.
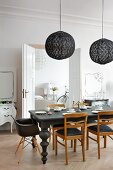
x=78 y=108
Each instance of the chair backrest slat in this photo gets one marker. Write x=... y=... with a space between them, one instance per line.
x=104 y=118
x=52 y=106
x=75 y=120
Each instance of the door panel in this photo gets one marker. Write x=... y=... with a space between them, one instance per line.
x=74 y=77
x=28 y=79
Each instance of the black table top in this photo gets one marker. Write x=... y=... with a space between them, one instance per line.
x=55 y=116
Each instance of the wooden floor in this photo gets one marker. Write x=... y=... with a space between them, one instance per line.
x=31 y=159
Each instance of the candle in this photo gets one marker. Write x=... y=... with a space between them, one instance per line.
x=73 y=98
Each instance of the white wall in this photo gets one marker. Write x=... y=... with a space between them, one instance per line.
x=89 y=35
x=18 y=29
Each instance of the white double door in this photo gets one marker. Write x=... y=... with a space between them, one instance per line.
x=28 y=80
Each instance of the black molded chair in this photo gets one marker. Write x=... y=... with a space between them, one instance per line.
x=27 y=130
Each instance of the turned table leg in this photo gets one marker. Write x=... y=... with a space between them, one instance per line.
x=44 y=135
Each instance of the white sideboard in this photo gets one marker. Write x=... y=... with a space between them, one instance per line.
x=6 y=111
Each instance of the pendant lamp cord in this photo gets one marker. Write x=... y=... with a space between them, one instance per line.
x=60 y=15
x=102 y=15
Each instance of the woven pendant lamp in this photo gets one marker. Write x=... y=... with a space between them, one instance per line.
x=60 y=45
x=101 y=51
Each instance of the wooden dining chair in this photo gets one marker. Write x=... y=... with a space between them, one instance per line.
x=101 y=128
x=74 y=128
x=55 y=127
x=52 y=106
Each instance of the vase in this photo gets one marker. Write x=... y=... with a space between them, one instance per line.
x=53 y=95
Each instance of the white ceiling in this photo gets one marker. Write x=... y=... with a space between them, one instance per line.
x=82 y=8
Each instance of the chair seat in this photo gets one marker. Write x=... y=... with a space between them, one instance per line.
x=70 y=132
x=103 y=128
x=58 y=125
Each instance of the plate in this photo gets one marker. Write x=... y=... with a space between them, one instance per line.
x=95 y=111
x=70 y=111
x=57 y=110
x=40 y=112
x=65 y=113
x=99 y=109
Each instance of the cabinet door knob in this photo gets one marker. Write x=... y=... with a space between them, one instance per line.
x=6 y=115
x=6 y=108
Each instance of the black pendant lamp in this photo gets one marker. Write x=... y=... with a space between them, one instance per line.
x=60 y=45
x=101 y=51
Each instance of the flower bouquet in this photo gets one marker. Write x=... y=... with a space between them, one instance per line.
x=54 y=89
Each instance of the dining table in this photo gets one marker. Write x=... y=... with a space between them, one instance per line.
x=47 y=118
